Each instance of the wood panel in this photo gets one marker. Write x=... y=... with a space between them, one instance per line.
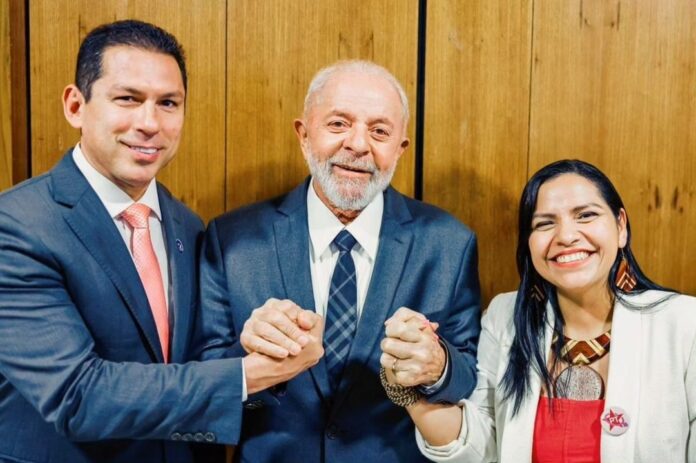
x=14 y=152
x=197 y=175
x=5 y=99
x=476 y=123
x=614 y=83
x=274 y=49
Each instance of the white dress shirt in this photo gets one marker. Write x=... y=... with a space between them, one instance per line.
x=323 y=255
x=115 y=200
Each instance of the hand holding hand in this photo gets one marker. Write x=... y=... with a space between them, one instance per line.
x=279 y=328
x=411 y=351
x=262 y=372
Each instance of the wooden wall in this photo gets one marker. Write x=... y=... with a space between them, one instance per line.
x=508 y=87
x=5 y=92
x=14 y=153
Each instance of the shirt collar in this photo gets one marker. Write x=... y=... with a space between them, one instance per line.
x=324 y=226
x=114 y=199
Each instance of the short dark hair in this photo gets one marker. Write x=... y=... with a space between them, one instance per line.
x=131 y=33
x=527 y=352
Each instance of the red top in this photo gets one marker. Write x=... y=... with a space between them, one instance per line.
x=571 y=434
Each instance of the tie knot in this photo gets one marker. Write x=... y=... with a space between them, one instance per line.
x=344 y=241
x=137 y=215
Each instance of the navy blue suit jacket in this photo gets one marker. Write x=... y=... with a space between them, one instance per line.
x=426 y=261
x=80 y=360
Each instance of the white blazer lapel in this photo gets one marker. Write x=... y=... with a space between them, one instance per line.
x=623 y=387
x=519 y=431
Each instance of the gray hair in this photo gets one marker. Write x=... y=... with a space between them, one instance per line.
x=368 y=67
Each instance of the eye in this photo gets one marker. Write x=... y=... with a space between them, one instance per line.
x=171 y=104
x=125 y=99
x=337 y=124
x=380 y=133
x=586 y=216
x=542 y=225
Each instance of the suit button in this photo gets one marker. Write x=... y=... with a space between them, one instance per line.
x=209 y=437
x=198 y=437
x=176 y=436
x=187 y=437
x=253 y=405
x=332 y=431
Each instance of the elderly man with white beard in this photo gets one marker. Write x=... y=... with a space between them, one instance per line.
x=345 y=245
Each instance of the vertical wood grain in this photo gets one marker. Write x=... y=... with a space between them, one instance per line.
x=476 y=123
x=274 y=49
x=14 y=152
x=197 y=174
x=614 y=83
x=5 y=100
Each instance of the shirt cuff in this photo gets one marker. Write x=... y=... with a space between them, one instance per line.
x=244 y=384
x=433 y=388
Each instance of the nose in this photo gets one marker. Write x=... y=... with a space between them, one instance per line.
x=567 y=233
x=147 y=120
x=357 y=140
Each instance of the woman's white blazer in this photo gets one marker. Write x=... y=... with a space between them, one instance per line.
x=652 y=377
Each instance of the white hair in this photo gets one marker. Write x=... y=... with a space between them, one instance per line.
x=368 y=67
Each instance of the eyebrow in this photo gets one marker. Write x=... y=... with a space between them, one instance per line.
x=135 y=91
x=575 y=210
x=344 y=114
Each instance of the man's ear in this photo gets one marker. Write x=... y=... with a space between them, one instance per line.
x=301 y=132
x=73 y=105
x=404 y=144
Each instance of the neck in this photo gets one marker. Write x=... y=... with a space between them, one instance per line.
x=586 y=315
x=344 y=216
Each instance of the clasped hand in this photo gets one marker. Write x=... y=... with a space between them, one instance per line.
x=411 y=351
x=282 y=340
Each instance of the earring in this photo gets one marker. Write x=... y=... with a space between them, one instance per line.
x=625 y=280
x=537 y=293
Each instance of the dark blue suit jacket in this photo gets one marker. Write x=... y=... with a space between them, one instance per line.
x=426 y=261
x=80 y=361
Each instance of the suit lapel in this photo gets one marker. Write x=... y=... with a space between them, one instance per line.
x=180 y=266
x=93 y=226
x=394 y=247
x=292 y=244
x=622 y=387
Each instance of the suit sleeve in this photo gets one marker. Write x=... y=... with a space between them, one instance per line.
x=215 y=335
x=48 y=355
x=461 y=331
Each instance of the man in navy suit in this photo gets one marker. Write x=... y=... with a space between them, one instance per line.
x=98 y=278
x=351 y=248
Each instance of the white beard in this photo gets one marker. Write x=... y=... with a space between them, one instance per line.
x=349 y=194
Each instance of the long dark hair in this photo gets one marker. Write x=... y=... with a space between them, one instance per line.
x=527 y=351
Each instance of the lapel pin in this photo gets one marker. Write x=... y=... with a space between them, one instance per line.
x=179 y=245
x=615 y=421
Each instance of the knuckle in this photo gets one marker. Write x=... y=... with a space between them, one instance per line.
x=387 y=344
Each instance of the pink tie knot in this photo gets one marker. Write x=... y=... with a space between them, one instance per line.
x=137 y=216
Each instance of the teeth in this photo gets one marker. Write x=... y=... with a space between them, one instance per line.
x=145 y=150
x=576 y=256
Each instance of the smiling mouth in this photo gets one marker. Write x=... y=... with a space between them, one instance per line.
x=574 y=257
x=149 y=150
x=352 y=169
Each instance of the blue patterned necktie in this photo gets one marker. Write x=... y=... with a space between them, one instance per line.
x=341 y=310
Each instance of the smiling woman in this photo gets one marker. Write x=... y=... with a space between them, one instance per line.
x=589 y=360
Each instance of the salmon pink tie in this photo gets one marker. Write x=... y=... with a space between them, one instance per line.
x=137 y=216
